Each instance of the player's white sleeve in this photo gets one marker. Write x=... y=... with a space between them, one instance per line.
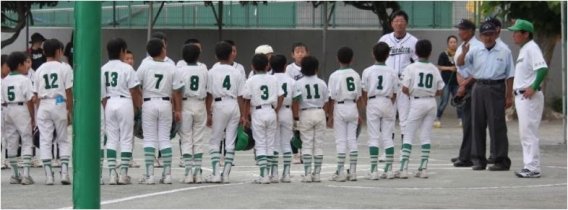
x=394 y=83
x=247 y=90
x=36 y=84
x=358 y=83
x=68 y=72
x=439 y=80
x=140 y=73
x=407 y=74
x=325 y=94
x=289 y=72
x=279 y=88
x=28 y=90
x=331 y=88
x=209 y=86
x=132 y=78
x=240 y=85
x=364 y=80
x=537 y=60
x=298 y=91
x=177 y=80
x=180 y=63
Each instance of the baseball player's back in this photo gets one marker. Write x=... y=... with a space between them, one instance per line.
x=235 y=65
x=294 y=71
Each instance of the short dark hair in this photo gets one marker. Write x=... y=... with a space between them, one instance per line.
x=15 y=59
x=154 y=47
x=128 y=52
x=191 y=41
x=345 y=55
x=310 y=65
x=450 y=37
x=399 y=13
x=299 y=44
x=381 y=51
x=160 y=36
x=115 y=46
x=423 y=48
x=50 y=47
x=223 y=50
x=4 y=59
x=190 y=53
x=28 y=55
x=278 y=63
x=259 y=62
x=231 y=42
x=530 y=34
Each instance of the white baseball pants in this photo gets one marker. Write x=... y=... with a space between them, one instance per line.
x=226 y=116
x=402 y=105
x=345 y=121
x=192 y=126
x=284 y=131
x=18 y=123
x=421 y=115
x=103 y=123
x=157 y=123
x=263 y=129
x=380 y=122
x=51 y=117
x=119 y=115
x=312 y=130
x=529 y=112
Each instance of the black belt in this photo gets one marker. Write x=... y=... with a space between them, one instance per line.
x=120 y=96
x=342 y=102
x=489 y=81
x=260 y=107
x=185 y=99
x=17 y=103
x=423 y=97
x=163 y=98
x=287 y=106
x=372 y=97
x=520 y=92
x=218 y=99
x=311 y=108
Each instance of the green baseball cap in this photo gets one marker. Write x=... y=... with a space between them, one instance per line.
x=522 y=25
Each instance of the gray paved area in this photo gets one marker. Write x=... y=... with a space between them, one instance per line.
x=447 y=187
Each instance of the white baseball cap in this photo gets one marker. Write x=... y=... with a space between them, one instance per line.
x=263 y=49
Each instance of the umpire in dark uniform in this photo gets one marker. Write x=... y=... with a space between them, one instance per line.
x=492 y=68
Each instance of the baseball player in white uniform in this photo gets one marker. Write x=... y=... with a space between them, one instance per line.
x=160 y=36
x=225 y=87
x=293 y=70
x=402 y=54
x=380 y=83
x=284 y=127
x=159 y=82
x=309 y=107
x=268 y=51
x=53 y=87
x=422 y=82
x=121 y=88
x=344 y=89
x=263 y=98
x=17 y=92
x=4 y=73
x=530 y=71
x=193 y=112
x=181 y=63
x=234 y=63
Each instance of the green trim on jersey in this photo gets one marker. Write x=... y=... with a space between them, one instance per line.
x=180 y=89
x=380 y=63
x=345 y=67
x=298 y=98
x=423 y=61
x=259 y=72
x=14 y=73
x=159 y=60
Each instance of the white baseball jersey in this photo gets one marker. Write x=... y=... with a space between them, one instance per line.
x=402 y=51
x=294 y=71
x=31 y=75
x=464 y=70
x=225 y=81
x=237 y=66
x=422 y=79
x=263 y=89
x=182 y=63
x=118 y=78
x=158 y=79
x=195 y=80
x=344 y=84
x=380 y=80
x=252 y=73
x=529 y=61
x=166 y=59
x=52 y=79
x=311 y=91
x=287 y=84
x=16 y=88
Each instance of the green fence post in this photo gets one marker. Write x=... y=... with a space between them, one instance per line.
x=87 y=115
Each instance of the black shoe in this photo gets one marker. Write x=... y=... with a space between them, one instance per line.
x=498 y=167
x=460 y=163
x=491 y=160
x=454 y=159
x=478 y=167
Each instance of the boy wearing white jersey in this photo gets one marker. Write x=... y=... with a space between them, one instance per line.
x=402 y=54
x=19 y=121
x=159 y=82
x=234 y=63
x=225 y=86
x=193 y=112
x=284 y=127
x=309 y=108
x=293 y=70
x=422 y=83
x=53 y=86
x=263 y=98
x=5 y=71
x=160 y=36
x=380 y=84
x=344 y=89
x=267 y=50
x=120 y=102
x=181 y=63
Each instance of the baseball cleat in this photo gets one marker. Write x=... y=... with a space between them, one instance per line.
x=167 y=179
x=387 y=175
x=338 y=177
x=6 y=164
x=198 y=179
x=213 y=179
x=351 y=176
x=148 y=180
x=526 y=173
x=422 y=174
x=316 y=178
x=187 y=180
x=113 y=179
x=27 y=180
x=373 y=176
x=36 y=163
x=133 y=164
x=124 y=180
x=65 y=179
x=16 y=179
x=274 y=179
x=401 y=174
x=437 y=124
x=285 y=179
x=49 y=180
x=307 y=178
x=261 y=180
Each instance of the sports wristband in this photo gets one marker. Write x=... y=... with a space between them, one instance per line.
x=296 y=118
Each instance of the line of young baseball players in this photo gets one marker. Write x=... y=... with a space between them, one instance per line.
x=278 y=97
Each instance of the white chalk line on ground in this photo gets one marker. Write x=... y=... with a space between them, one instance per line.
x=448 y=188
x=161 y=193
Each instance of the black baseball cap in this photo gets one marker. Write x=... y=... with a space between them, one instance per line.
x=37 y=37
x=487 y=27
x=493 y=20
x=465 y=24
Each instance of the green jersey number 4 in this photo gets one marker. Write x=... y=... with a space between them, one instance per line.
x=227 y=82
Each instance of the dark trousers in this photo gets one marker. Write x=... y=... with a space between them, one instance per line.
x=488 y=111
x=467 y=127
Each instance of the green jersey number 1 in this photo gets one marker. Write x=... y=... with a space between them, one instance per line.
x=316 y=91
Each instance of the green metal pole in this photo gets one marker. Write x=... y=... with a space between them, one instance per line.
x=87 y=111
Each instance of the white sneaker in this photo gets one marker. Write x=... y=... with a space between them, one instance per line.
x=352 y=177
x=16 y=180
x=286 y=179
x=65 y=179
x=382 y=158
x=148 y=180
x=337 y=177
x=373 y=176
x=133 y=164
x=225 y=179
x=27 y=180
x=388 y=175
x=198 y=179
x=213 y=179
x=422 y=174
x=460 y=123
x=113 y=179
x=307 y=178
x=5 y=165
x=49 y=180
x=181 y=163
x=274 y=179
x=297 y=159
x=187 y=180
x=124 y=180
x=36 y=163
x=166 y=179
x=316 y=178
x=401 y=174
x=261 y=180
x=437 y=124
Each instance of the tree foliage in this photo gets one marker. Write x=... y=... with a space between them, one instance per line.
x=23 y=12
x=380 y=9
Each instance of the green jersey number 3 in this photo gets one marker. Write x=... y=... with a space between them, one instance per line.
x=264 y=90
